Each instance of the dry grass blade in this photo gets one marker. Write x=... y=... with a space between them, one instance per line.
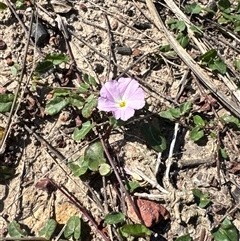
x=188 y=60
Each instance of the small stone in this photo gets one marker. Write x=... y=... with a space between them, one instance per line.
x=114 y=25
x=3 y=45
x=98 y=68
x=151 y=212
x=44 y=170
x=9 y=61
x=123 y=50
x=130 y=12
x=137 y=52
x=83 y=7
x=98 y=40
x=45 y=184
x=142 y=25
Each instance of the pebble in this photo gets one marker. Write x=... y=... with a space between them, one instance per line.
x=3 y=45
x=98 y=68
x=141 y=25
x=114 y=25
x=123 y=50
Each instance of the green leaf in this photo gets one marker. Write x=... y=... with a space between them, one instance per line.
x=218 y=65
x=193 y=8
x=6 y=172
x=237 y=64
x=196 y=134
x=88 y=79
x=55 y=105
x=131 y=186
x=197 y=31
x=135 y=230
x=153 y=136
x=175 y=112
x=114 y=218
x=80 y=168
x=73 y=228
x=20 y=4
x=15 y=231
x=94 y=154
x=231 y=120
x=76 y=100
x=177 y=24
x=213 y=135
x=14 y=69
x=224 y=5
x=83 y=88
x=77 y=170
x=198 y=121
x=223 y=153
x=167 y=115
x=236 y=26
x=186 y=237
x=79 y=134
x=61 y=92
x=226 y=232
x=56 y=59
x=48 y=229
x=3 y=6
x=208 y=56
x=185 y=108
x=165 y=48
x=105 y=169
x=223 y=20
x=91 y=103
x=6 y=102
x=183 y=40
x=43 y=66
x=181 y=26
x=201 y=199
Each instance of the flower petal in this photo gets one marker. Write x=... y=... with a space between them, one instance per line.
x=137 y=100
x=123 y=114
x=110 y=91
x=128 y=87
x=106 y=105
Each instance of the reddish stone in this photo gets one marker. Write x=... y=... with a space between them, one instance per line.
x=151 y=212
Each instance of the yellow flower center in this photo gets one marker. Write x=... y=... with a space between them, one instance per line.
x=122 y=103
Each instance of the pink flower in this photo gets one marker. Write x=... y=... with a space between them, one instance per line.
x=121 y=97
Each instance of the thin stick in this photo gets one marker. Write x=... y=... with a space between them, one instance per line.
x=150 y=196
x=159 y=157
x=119 y=179
x=64 y=31
x=10 y=119
x=169 y=160
x=112 y=56
x=153 y=183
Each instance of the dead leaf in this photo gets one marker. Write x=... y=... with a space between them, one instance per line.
x=31 y=102
x=207 y=103
x=234 y=167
